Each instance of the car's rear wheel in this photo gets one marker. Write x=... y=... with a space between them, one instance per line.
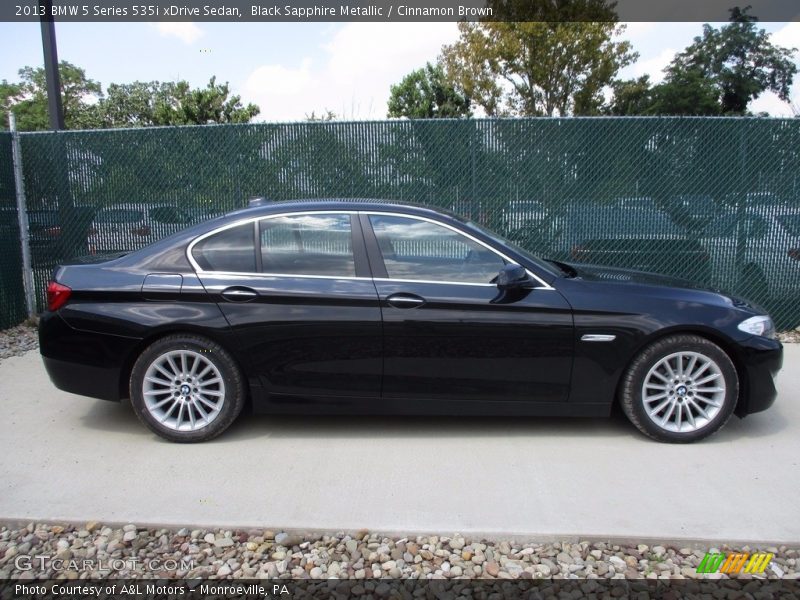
x=680 y=389
x=186 y=388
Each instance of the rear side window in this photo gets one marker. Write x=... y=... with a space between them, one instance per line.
x=309 y=244
x=231 y=250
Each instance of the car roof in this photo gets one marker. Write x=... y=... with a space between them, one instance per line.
x=348 y=204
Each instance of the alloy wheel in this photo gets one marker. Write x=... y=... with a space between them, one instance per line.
x=683 y=392
x=183 y=390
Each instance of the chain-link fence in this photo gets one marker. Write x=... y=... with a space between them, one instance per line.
x=12 y=294
x=713 y=200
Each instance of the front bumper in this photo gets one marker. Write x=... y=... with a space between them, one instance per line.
x=760 y=359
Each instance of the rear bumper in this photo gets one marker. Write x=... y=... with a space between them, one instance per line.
x=761 y=359
x=83 y=363
x=76 y=378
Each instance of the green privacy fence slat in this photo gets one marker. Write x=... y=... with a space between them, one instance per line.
x=713 y=200
x=12 y=293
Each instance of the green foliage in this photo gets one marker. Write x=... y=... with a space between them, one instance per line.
x=537 y=68
x=427 y=94
x=137 y=104
x=631 y=97
x=740 y=62
x=720 y=73
x=140 y=104
x=686 y=92
x=29 y=98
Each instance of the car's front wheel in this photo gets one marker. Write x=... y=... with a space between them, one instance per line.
x=680 y=389
x=186 y=388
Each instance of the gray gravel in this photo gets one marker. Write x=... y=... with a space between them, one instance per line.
x=97 y=551
x=18 y=340
x=790 y=337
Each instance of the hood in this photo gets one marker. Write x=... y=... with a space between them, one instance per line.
x=617 y=275
x=602 y=273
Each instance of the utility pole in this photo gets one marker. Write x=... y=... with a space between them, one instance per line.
x=70 y=228
x=54 y=106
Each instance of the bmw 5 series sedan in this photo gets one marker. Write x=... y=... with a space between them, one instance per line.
x=344 y=307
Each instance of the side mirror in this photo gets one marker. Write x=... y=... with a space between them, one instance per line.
x=513 y=277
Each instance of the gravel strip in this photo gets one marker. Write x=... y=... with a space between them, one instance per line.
x=18 y=340
x=790 y=337
x=97 y=551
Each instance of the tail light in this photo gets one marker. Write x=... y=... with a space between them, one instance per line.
x=794 y=253
x=57 y=295
x=142 y=231
x=54 y=231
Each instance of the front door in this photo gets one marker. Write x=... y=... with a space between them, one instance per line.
x=448 y=334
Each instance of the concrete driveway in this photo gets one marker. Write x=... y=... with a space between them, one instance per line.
x=65 y=457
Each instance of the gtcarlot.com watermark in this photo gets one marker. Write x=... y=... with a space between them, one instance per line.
x=44 y=563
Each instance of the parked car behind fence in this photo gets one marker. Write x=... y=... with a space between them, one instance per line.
x=123 y=227
x=757 y=250
x=644 y=239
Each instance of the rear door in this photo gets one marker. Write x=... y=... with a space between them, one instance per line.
x=448 y=333
x=297 y=292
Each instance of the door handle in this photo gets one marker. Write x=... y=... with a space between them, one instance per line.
x=239 y=294
x=405 y=300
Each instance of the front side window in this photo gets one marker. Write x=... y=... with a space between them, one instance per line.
x=231 y=250
x=421 y=250
x=308 y=244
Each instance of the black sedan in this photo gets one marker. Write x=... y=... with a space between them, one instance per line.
x=344 y=307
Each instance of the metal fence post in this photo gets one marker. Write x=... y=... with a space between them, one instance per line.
x=22 y=218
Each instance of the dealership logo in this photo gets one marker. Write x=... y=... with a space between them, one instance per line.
x=733 y=563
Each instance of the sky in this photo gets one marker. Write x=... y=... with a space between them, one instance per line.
x=293 y=69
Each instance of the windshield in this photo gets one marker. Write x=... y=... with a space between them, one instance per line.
x=504 y=242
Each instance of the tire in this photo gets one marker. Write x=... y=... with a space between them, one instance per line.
x=205 y=396
x=705 y=367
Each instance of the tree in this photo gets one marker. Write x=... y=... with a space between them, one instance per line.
x=137 y=104
x=9 y=96
x=687 y=93
x=29 y=98
x=631 y=97
x=140 y=104
x=533 y=68
x=325 y=116
x=427 y=94
x=739 y=61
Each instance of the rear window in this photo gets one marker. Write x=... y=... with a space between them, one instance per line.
x=119 y=215
x=231 y=250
